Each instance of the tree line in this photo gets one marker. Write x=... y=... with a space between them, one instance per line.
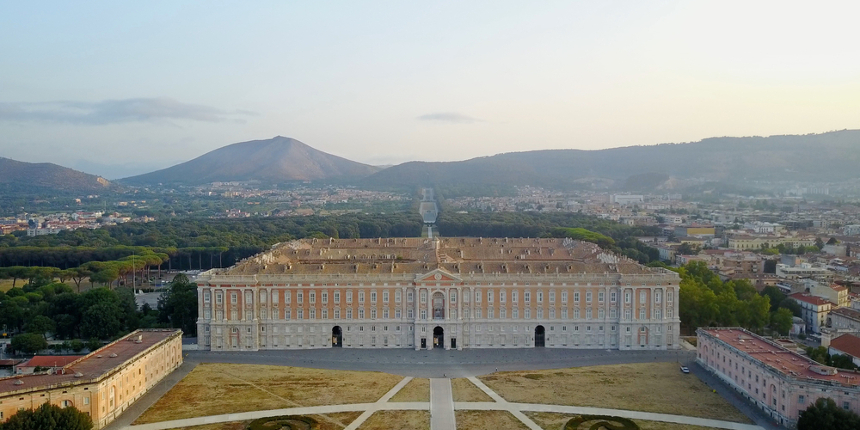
x=707 y=301
x=44 y=307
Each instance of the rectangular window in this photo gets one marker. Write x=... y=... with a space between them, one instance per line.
x=576 y=297
x=503 y=313
x=423 y=314
x=361 y=297
x=564 y=313
x=218 y=298
x=397 y=296
x=527 y=313
x=478 y=313
x=552 y=296
x=263 y=296
x=287 y=314
x=515 y=313
x=503 y=296
x=489 y=296
x=385 y=313
x=514 y=296
x=564 y=296
x=373 y=313
x=300 y=313
x=642 y=314
x=397 y=313
x=540 y=296
x=453 y=296
x=669 y=296
x=385 y=297
x=477 y=296
x=324 y=297
x=349 y=296
x=275 y=298
x=287 y=297
x=234 y=298
x=657 y=296
x=527 y=296
x=612 y=296
x=588 y=313
x=300 y=297
x=337 y=313
x=601 y=296
x=313 y=313
x=206 y=296
x=349 y=313
x=337 y=297
x=627 y=297
x=409 y=296
x=312 y=297
x=588 y=297
x=423 y=296
x=372 y=297
x=361 y=313
x=641 y=297
x=409 y=314
x=490 y=312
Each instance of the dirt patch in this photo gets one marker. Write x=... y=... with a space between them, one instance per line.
x=553 y=421
x=397 y=420
x=417 y=390
x=466 y=391
x=650 y=387
x=487 y=420
x=215 y=388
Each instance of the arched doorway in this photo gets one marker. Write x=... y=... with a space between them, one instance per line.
x=438 y=337
x=540 y=336
x=336 y=337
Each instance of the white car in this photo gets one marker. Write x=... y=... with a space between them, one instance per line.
x=684 y=369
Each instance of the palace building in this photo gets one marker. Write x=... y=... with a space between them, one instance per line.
x=450 y=293
x=103 y=383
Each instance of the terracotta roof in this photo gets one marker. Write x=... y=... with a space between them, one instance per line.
x=779 y=358
x=50 y=360
x=808 y=298
x=93 y=365
x=847 y=343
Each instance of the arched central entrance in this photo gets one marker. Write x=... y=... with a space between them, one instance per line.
x=540 y=337
x=336 y=337
x=438 y=337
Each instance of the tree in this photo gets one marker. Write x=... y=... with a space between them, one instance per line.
x=41 y=325
x=29 y=343
x=824 y=414
x=843 y=361
x=819 y=354
x=819 y=243
x=101 y=320
x=781 y=320
x=178 y=305
x=792 y=305
x=776 y=296
x=687 y=248
x=48 y=416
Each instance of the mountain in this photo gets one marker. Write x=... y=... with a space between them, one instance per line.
x=279 y=159
x=19 y=176
x=829 y=156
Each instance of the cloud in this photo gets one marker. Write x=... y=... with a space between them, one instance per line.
x=115 y=112
x=450 y=117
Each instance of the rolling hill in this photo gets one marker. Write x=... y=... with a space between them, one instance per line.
x=19 y=176
x=279 y=159
x=829 y=156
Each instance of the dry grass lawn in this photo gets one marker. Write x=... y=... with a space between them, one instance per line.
x=326 y=422
x=487 y=420
x=465 y=391
x=397 y=420
x=214 y=388
x=649 y=387
x=417 y=390
x=551 y=421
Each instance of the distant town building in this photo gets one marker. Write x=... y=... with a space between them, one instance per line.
x=847 y=344
x=627 y=199
x=814 y=310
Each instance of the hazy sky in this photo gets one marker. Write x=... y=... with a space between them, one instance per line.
x=148 y=84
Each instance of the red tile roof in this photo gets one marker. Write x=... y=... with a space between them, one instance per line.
x=50 y=360
x=778 y=357
x=808 y=298
x=847 y=343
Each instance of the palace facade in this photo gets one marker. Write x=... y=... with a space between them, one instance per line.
x=450 y=293
x=101 y=384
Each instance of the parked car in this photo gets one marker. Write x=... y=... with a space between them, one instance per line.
x=684 y=369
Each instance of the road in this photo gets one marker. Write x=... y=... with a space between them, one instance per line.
x=440 y=363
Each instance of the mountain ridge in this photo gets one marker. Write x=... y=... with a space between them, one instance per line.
x=279 y=159
x=16 y=174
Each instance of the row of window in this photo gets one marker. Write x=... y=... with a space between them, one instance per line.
x=491 y=294
x=348 y=313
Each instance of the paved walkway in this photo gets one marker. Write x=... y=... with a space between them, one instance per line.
x=441 y=404
x=442 y=409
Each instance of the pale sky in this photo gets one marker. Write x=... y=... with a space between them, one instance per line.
x=96 y=85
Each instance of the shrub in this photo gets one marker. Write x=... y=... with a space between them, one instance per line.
x=587 y=422
x=286 y=422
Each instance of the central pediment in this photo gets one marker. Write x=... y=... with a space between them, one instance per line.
x=437 y=275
